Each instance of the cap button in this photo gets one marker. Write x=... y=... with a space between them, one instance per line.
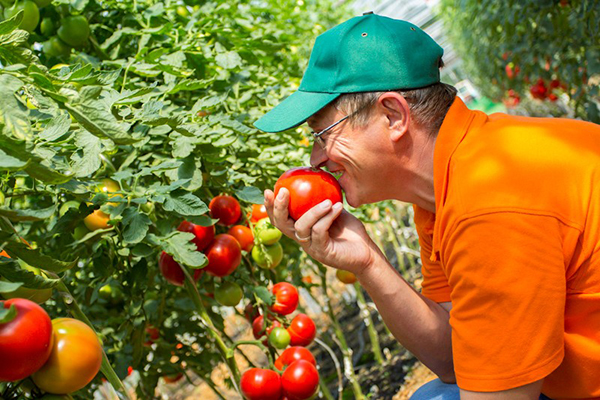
x=368 y=12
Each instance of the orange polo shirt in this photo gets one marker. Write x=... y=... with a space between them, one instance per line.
x=515 y=245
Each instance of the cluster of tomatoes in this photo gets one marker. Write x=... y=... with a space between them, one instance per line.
x=33 y=345
x=541 y=92
x=299 y=378
x=71 y=31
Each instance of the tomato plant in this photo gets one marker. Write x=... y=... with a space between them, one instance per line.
x=308 y=187
x=172 y=271
x=244 y=236
x=25 y=341
x=302 y=330
x=286 y=298
x=224 y=255
x=292 y=354
x=261 y=384
x=300 y=380
x=75 y=358
x=37 y=295
x=226 y=209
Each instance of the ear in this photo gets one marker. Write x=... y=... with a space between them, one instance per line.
x=397 y=112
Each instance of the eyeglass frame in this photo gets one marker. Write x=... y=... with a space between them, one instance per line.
x=317 y=135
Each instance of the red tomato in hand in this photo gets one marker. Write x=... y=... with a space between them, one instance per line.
x=261 y=384
x=259 y=211
x=300 y=380
x=302 y=330
x=25 y=342
x=294 y=354
x=75 y=359
x=226 y=209
x=308 y=187
x=286 y=298
x=243 y=235
x=224 y=255
x=203 y=234
x=172 y=271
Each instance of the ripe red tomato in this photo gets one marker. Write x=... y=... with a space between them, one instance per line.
x=172 y=271
x=243 y=235
x=259 y=211
x=302 y=330
x=251 y=312
x=153 y=334
x=308 y=187
x=346 y=277
x=203 y=234
x=75 y=359
x=224 y=255
x=226 y=209
x=292 y=354
x=25 y=342
x=286 y=298
x=261 y=384
x=300 y=380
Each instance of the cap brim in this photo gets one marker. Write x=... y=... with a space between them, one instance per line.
x=294 y=110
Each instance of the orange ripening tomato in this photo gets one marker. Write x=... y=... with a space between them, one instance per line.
x=243 y=235
x=346 y=277
x=259 y=211
x=75 y=359
x=97 y=220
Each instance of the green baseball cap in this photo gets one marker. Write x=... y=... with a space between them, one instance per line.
x=365 y=53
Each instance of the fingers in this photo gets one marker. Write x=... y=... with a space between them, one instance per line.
x=320 y=230
x=277 y=209
x=320 y=216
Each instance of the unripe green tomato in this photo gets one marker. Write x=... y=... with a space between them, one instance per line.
x=267 y=233
x=31 y=14
x=112 y=294
x=54 y=47
x=267 y=256
x=182 y=11
x=42 y=3
x=229 y=294
x=279 y=338
x=80 y=231
x=74 y=30
x=47 y=26
x=37 y=295
x=147 y=207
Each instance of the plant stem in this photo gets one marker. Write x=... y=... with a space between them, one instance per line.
x=226 y=352
x=366 y=315
x=106 y=368
x=339 y=333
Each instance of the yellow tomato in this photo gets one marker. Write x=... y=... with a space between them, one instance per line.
x=346 y=277
x=96 y=220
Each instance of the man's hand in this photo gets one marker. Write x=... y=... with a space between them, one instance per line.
x=337 y=238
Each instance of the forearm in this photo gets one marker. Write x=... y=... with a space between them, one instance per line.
x=419 y=324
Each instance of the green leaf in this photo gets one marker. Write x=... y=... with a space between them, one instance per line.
x=263 y=294
x=86 y=160
x=28 y=214
x=7 y=314
x=10 y=163
x=183 y=250
x=36 y=258
x=228 y=60
x=136 y=225
x=6 y=287
x=12 y=23
x=13 y=114
x=250 y=194
x=57 y=128
x=184 y=203
x=14 y=273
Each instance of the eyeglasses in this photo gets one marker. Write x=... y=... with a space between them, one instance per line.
x=318 y=135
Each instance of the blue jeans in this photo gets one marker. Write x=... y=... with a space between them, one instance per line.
x=438 y=390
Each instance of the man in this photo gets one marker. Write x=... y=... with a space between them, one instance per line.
x=507 y=210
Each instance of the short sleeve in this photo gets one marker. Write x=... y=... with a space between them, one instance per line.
x=435 y=284
x=507 y=273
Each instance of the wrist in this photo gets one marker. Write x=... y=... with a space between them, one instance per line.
x=376 y=261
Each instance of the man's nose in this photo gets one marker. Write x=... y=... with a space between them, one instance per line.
x=318 y=157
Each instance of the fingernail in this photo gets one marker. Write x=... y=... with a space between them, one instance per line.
x=337 y=206
x=280 y=195
x=326 y=204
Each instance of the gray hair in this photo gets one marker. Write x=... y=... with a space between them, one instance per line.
x=428 y=105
